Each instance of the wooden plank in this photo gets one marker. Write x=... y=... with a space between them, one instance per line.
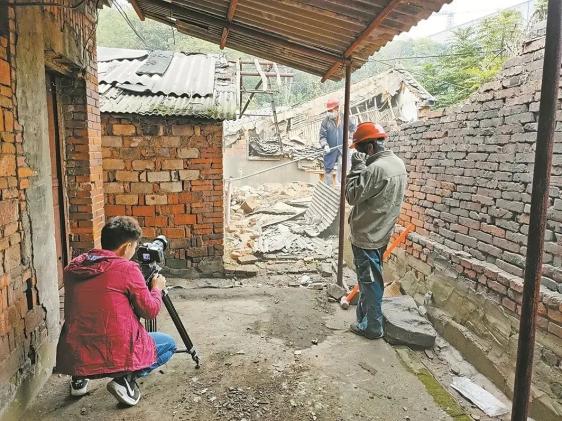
x=229 y=18
x=278 y=76
x=375 y=23
x=137 y=9
x=264 y=81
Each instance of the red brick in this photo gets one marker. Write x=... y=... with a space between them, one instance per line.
x=5 y=73
x=185 y=219
x=115 y=210
x=174 y=232
x=124 y=129
x=8 y=121
x=172 y=164
x=113 y=164
x=153 y=199
x=143 y=210
x=127 y=199
x=127 y=176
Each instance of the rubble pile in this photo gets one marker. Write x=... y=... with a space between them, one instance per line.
x=282 y=223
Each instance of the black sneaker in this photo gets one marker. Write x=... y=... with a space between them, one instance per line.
x=125 y=389
x=79 y=386
x=354 y=327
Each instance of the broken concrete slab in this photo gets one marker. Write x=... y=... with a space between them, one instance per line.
x=247 y=259
x=404 y=325
x=325 y=269
x=335 y=291
x=245 y=271
x=250 y=205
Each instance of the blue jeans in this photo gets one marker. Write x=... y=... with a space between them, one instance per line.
x=368 y=264
x=165 y=348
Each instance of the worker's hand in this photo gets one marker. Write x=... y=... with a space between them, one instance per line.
x=326 y=148
x=158 y=281
x=358 y=158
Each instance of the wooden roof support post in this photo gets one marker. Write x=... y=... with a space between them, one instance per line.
x=539 y=207
x=375 y=23
x=346 y=111
x=229 y=17
x=137 y=9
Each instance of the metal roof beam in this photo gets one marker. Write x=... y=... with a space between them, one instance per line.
x=375 y=24
x=229 y=17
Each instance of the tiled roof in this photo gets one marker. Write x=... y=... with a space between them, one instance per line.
x=166 y=83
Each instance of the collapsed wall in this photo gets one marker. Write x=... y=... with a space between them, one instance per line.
x=470 y=180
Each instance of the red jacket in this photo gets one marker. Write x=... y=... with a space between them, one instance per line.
x=104 y=297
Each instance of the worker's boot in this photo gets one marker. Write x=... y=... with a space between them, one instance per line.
x=354 y=327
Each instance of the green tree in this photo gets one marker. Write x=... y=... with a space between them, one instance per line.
x=474 y=56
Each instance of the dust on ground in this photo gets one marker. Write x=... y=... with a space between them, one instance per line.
x=268 y=353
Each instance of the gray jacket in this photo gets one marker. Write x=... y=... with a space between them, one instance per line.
x=375 y=188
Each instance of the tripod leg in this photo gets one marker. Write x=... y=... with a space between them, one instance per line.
x=180 y=327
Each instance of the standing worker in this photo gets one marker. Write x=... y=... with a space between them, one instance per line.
x=331 y=135
x=375 y=188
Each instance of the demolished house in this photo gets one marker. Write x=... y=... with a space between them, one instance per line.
x=391 y=98
x=161 y=115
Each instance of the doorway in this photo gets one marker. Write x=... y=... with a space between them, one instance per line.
x=57 y=177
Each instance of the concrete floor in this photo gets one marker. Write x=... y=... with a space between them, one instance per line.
x=259 y=361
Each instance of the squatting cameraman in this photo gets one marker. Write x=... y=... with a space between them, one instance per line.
x=105 y=294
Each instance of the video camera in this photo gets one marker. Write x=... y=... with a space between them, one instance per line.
x=149 y=255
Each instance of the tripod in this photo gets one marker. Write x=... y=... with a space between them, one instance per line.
x=151 y=324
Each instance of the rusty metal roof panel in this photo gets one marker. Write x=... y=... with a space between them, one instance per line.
x=159 y=83
x=310 y=35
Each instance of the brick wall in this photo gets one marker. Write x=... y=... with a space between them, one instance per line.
x=470 y=179
x=61 y=40
x=168 y=174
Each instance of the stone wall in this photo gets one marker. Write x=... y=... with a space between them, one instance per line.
x=32 y=41
x=470 y=180
x=168 y=174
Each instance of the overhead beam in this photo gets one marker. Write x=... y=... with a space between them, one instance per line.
x=137 y=9
x=194 y=17
x=375 y=23
x=229 y=18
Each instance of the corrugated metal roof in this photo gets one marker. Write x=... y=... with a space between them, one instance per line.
x=310 y=35
x=197 y=85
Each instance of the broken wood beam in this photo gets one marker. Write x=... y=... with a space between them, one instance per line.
x=137 y=9
x=375 y=24
x=229 y=18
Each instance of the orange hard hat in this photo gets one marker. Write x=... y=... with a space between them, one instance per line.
x=368 y=131
x=332 y=103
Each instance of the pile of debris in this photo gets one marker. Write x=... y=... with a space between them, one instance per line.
x=294 y=223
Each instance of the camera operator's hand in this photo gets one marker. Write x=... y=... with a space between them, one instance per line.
x=158 y=281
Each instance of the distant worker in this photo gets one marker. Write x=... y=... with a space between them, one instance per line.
x=375 y=188
x=331 y=136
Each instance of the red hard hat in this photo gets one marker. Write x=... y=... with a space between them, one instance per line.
x=332 y=103
x=368 y=131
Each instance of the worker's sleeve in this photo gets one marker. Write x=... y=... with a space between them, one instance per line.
x=323 y=133
x=352 y=124
x=146 y=303
x=361 y=184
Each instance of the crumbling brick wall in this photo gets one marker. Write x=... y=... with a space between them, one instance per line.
x=470 y=179
x=168 y=174
x=33 y=40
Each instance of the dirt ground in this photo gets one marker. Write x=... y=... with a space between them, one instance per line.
x=268 y=353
